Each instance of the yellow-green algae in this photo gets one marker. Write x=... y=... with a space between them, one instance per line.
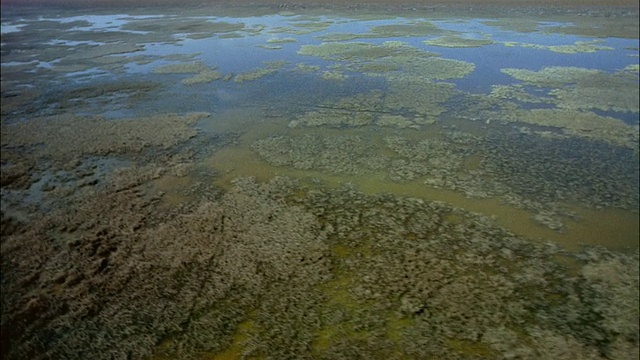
x=306 y=68
x=577 y=47
x=419 y=28
x=416 y=95
x=272 y=68
x=253 y=75
x=305 y=18
x=240 y=340
x=397 y=121
x=231 y=35
x=411 y=90
x=455 y=41
x=62 y=138
x=71 y=68
x=372 y=67
x=192 y=27
x=392 y=55
x=434 y=68
x=587 y=26
x=600 y=27
x=514 y=24
x=301 y=28
x=281 y=40
x=369 y=101
x=334 y=75
x=583 y=124
x=188 y=68
x=580 y=88
x=621 y=99
x=353 y=51
x=181 y=57
x=271 y=47
x=422 y=100
x=422 y=65
x=633 y=68
x=313 y=25
x=553 y=76
x=276 y=64
x=140 y=59
x=345 y=36
x=204 y=74
x=203 y=77
x=333 y=118
x=517 y=92
x=571 y=122
x=92 y=52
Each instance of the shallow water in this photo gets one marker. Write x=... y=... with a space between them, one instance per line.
x=495 y=155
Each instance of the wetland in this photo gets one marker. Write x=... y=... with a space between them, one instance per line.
x=319 y=182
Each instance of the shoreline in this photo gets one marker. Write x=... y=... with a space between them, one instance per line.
x=573 y=10
x=462 y=4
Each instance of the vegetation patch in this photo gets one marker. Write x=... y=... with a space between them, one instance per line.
x=580 y=88
x=454 y=41
x=61 y=138
x=577 y=47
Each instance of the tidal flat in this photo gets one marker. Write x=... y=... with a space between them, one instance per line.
x=319 y=182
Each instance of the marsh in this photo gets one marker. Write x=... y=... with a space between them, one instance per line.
x=319 y=181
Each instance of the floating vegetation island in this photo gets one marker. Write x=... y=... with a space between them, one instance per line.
x=454 y=41
x=246 y=183
x=578 y=47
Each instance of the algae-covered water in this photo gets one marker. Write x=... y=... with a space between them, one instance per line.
x=221 y=183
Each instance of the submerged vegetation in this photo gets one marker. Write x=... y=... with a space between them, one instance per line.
x=318 y=187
